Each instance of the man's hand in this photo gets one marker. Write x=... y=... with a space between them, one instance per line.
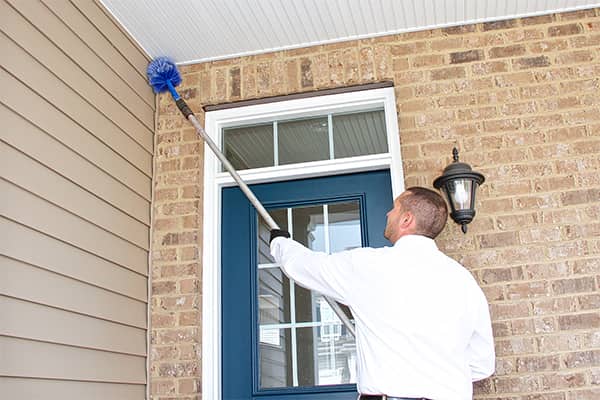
x=278 y=233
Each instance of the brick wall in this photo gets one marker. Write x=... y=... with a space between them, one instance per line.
x=520 y=98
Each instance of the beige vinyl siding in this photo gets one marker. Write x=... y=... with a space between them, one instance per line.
x=76 y=149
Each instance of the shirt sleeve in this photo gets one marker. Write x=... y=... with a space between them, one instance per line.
x=328 y=274
x=480 y=351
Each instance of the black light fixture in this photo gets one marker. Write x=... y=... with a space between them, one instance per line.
x=459 y=183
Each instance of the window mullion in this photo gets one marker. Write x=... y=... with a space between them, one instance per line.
x=293 y=335
x=330 y=133
x=275 y=144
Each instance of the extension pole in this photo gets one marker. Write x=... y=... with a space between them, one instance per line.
x=162 y=76
x=259 y=207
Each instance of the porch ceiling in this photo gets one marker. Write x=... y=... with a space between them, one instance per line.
x=192 y=31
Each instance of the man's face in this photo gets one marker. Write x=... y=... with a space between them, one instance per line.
x=393 y=219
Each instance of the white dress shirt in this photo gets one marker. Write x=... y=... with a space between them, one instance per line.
x=422 y=323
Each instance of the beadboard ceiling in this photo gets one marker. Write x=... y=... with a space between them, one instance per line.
x=191 y=31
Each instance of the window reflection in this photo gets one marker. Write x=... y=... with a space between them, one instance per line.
x=302 y=342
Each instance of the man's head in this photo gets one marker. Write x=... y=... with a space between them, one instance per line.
x=417 y=211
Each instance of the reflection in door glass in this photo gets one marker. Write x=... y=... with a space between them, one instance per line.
x=302 y=341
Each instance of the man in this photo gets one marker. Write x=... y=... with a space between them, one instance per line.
x=423 y=327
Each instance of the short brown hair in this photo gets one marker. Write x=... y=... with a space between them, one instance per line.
x=429 y=209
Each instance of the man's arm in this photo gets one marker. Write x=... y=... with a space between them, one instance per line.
x=480 y=352
x=326 y=274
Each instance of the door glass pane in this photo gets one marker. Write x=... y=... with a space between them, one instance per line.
x=249 y=146
x=303 y=140
x=264 y=234
x=326 y=355
x=276 y=357
x=359 y=134
x=299 y=332
x=273 y=296
x=344 y=227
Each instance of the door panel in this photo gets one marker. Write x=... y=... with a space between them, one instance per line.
x=279 y=339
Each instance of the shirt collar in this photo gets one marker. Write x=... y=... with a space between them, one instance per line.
x=416 y=241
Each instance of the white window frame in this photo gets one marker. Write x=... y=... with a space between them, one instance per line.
x=214 y=181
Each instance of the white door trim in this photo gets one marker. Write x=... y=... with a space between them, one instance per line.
x=214 y=181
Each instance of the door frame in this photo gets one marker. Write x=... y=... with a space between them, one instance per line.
x=215 y=180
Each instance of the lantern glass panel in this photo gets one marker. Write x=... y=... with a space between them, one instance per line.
x=460 y=191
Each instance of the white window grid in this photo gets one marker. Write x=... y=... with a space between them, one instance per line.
x=334 y=324
x=329 y=115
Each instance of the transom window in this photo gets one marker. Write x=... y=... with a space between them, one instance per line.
x=321 y=137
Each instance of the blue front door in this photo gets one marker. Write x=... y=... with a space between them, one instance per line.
x=281 y=341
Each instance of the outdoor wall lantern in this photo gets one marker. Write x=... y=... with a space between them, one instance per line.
x=459 y=183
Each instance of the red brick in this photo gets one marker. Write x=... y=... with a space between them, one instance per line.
x=563 y=380
x=519 y=327
x=178 y=303
x=531 y=62
x=581 y=359
x=162 y=387
x=554 y=306
x=180 y=270
x=178 y=369
x=495 y=275
x=589 y=302
x=506 y=222
x=584 y=394
x=448 y=73
x=576 y=285
x=554 y=343
x=163 y=287
x=163 y=320
x=541 y=19
x=179 y=335
x=498 y=239
x=545 y=325
x=527 y=290
x=166 y=224
x=449 y=43
x=538 y=363
x=189 y=318
x=188 y=253
x=465 y=56
x=188 y=386
x=516 y=384
x=562 y=30
x=574 y=57
x=408 y=48
x=459 y=29
x=189 y=286
x=429 y=60
x=546 y=271
x=492 y=67
x=509 y=311
x=539 y=91
x=503 y=24
x=507 y=51
x=579 y=321
x=579 y=14
x=580 y=197
x=545 y=46
x=586 y=266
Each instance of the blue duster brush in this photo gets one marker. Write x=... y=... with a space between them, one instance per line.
x=162 y=76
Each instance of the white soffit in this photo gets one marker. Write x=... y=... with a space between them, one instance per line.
x=191 y=31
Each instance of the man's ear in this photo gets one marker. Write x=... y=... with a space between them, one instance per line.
x=407 y=220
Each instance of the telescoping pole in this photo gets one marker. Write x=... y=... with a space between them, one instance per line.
x=163 y=76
